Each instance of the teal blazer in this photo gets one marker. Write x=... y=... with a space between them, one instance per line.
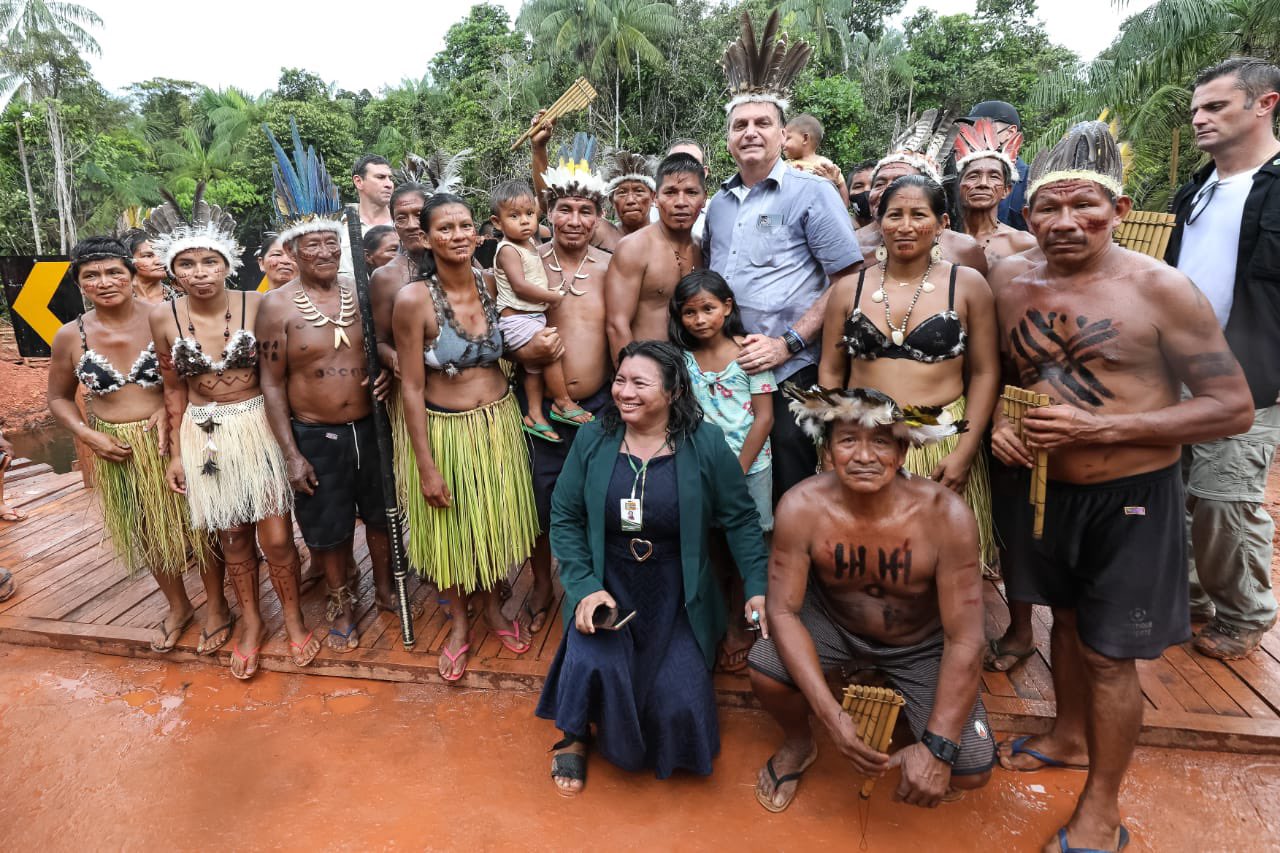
x=711 y=488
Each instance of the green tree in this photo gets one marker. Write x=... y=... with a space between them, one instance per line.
x=837 y=103
x=824 y=24
x=473 y=45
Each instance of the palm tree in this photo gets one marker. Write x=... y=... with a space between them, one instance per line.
x=825 y=23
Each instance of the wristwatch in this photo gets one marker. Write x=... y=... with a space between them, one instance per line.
x=794 y=342
x=946 y=751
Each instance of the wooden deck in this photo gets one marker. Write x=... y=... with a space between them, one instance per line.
x=72 y=594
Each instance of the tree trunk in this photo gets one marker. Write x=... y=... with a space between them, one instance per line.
x=31 y=196
x=617 y=104
x=61 y=185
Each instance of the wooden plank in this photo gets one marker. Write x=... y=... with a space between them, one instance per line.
x=1261 y=678
x=1236 y=688
x=1213 y=695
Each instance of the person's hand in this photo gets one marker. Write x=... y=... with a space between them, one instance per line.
x=160 y=423
x=586 y=609
x=952 y=471
x=542 y=135
x=302 y=477
x=828 y=170
x=175 y=476
x=761 y=352
x=381 y=385
x=1007 y=447
x=755 y=605
x=543 y=348
x=555 y=297
x=925 y=779
x=107 y=447
x=394 y=358
x=434 y=489
x=1051 y=427
x=866 y=760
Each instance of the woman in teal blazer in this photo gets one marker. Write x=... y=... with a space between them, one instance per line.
x=630 y=519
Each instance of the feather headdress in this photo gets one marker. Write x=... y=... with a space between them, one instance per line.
x=763 y=73
x=1089 y=152
x=131 y=219
x=306 y=198
x=439 y=173
x=817 y=407
x=978 y=139
x=925 y=145
x=575 y=174
x=174 y=231
x=622 y=166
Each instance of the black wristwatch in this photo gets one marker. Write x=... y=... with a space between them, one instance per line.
x=946 y=751
x=794 y=342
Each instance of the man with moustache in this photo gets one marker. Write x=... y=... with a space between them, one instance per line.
x=648 y=264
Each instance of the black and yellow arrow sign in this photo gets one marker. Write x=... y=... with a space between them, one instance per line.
x=41 y=299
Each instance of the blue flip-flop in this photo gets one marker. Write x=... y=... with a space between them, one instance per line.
x=1064 y=846
x=1017 y=746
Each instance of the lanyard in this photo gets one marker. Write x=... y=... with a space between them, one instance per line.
x=642 y=472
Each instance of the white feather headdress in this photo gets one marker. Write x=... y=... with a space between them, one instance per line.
x=575 y=175
x=172 y=231
x=817 y=407
x=1089 y=152
x=763 y=73
x=924 y=146
x=439 y=173
x=622 y=166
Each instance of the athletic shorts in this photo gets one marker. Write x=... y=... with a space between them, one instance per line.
x=344 y=457
x=913 y=670
x=1113 y=552
x=547 y=459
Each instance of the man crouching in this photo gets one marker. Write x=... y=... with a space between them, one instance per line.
x=874 y=569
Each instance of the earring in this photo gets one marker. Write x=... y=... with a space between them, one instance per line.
x=935 y=254
x=882 y=254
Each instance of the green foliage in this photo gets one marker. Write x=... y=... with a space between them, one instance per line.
x=837 y=103
x=473 y=45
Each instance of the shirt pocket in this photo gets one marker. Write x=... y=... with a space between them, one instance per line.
x=768 y=240
x=1265 y=261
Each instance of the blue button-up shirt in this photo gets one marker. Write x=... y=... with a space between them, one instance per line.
x=777 y=244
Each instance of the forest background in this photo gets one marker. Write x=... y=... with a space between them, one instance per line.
x=73 y=156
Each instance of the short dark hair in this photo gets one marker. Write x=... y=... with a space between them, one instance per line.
x=680 y=164
x=700 y=281
x=685 y=414
x=685 y=140
x=507 y=192
x=374 y=236
x=933 y=193
x=806 y=123
x=133 y=238
x=362 y=165
x=1255 y=77
x=427 y=267
x=269 y=239
x=405 y=189
x=92 y=249
x=864 y=166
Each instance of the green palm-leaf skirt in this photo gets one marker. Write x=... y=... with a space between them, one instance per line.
x=977 y=492
x=148 y=523
x=492 y=521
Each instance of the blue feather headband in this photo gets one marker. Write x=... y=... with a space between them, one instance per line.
x=306 y=198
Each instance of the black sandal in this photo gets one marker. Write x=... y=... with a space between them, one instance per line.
x=569 y=765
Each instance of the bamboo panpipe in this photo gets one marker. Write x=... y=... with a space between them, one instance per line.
x=1016 y=402
x=576 y=97
x=874 y=710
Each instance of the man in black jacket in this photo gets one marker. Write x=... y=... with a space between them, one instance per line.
x=1227 y=240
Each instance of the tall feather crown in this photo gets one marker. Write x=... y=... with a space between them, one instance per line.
x=763 y=73
x=622 y=166
x=978 y=139
x=207 y=226
x=925 y=145
x=575 y=174
x=439 y=173
x=306 y=198
x=817 y=407
x=1089 y=152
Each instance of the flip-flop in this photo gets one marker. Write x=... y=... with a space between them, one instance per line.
x=726 y=662
x=511 y=639
x=165 y=644
x=348 y=645
x=993 y=646
x=12 y=514
x=453 y=660
x=300 y=657
x=544 y=612
x=252 y=656
x=777 y=780
x=1017 y=746
x=202 y=649
x=542 y=431
x=567 y=417
x=1064 y=846
x=7 y=586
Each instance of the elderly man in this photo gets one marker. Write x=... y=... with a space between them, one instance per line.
x=779 y=236
x=1228 y=242
x=371 y=175
x=1112 y=337
x=873 y=569
x=1007 y=123
x=986 y=161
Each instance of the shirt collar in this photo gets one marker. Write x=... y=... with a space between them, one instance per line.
x=776 y=174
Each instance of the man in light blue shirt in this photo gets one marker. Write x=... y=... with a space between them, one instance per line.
x=779 y=236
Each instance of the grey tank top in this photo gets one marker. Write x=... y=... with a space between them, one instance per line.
x=454 y=348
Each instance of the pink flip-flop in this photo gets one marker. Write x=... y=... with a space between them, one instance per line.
x=453 y=660
x=511 y=639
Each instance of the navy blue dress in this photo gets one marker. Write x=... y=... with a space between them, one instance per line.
x=645 y=688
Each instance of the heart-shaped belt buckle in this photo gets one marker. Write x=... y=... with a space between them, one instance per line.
x=641 y=549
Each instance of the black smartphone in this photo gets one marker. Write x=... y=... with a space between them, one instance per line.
x=607 y=618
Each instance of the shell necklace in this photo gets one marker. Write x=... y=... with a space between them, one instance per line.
x=346 y=314
x=899 y=334
x=567 y=284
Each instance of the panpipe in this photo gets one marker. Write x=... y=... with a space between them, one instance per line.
x=576 y=97
x=1016 y=402
x=874 y=711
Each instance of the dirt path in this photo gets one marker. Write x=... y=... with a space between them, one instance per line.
x=22 y=387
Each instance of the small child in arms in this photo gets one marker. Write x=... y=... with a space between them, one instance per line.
x=523 y=295
x=800 y=144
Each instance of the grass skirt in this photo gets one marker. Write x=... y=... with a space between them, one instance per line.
x=977 y=493
x=492 y=521
x=400 y=443
x=147 y=521
x=235 y=471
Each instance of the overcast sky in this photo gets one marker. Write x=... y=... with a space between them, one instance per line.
x=245 y=43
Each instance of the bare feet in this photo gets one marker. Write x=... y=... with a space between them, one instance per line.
x=780 y=777
x=1028 y=754
x=569 y=769
x=390 y=604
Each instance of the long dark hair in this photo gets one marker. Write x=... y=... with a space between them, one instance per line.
x=685 y=414
x=699 y=281
x=427 y=267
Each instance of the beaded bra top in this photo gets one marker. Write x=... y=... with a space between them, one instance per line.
x=454 y=348
x=240 y=351
x=937 y=338
x=99 y=376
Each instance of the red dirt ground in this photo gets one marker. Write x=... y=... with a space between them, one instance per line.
x=22 y=386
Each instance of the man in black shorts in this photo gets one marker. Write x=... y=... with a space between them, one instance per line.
x=873 y=569
x=314 y=378
x=1111 y=336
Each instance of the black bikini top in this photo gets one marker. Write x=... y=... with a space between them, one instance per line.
x=240 y=352
x=938 y=338
x=99 y=376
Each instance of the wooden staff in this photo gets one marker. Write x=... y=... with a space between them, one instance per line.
x=875 y=712
x=1016 y=402
x=576 y=97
